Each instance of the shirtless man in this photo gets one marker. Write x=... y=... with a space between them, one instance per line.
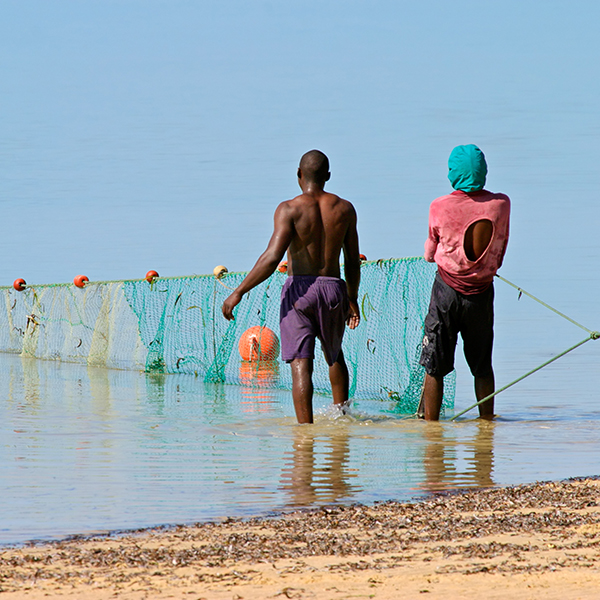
x=468 y=234
x=314 y=228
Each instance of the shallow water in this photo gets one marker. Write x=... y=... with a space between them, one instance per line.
x=87 y=449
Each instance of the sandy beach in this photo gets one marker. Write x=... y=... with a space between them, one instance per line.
x=529 y=541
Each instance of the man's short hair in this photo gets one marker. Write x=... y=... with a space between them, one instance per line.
x=315 y=166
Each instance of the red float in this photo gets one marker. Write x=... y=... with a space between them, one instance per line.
x=258 y=343
x=362 y=257
x=19 y=285
x=282 y=268
x=151 y=276
x=80 y=281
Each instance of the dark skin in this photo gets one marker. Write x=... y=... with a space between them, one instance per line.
x=477 y=239
x=314 y=228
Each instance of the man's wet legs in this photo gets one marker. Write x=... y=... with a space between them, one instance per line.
x=302 y=389
x=433 y=394
x=484 y=386
x=340 y=380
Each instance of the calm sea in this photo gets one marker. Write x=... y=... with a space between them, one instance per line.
x=143 y=135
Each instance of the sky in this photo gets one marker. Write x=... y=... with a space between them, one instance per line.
x=139 y=135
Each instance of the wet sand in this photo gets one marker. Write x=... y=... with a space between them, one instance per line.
x=530 y=541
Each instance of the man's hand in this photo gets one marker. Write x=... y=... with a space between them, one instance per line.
x=230 y=304
x=353 y=315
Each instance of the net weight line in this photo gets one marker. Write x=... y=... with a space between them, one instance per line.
x=593 y=335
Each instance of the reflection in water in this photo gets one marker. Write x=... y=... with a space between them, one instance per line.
x=155 y=389
x=258 y=378
x=31 y=383
x=101 y=393
x=84 y=449
x=314 y=476
x=447 y=466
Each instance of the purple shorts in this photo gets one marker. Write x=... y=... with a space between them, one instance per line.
x=313 y=307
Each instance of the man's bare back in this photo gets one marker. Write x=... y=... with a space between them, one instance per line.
x=321 y=222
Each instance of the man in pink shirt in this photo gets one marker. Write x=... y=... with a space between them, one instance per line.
x=468 y=234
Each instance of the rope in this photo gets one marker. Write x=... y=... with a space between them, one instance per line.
x=380 y=262
x=593 y=335
x=522 y=291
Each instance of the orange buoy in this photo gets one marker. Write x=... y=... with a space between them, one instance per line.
x=151 y=276
x=219 y=271
x=80 y=281
x=362 y=257
x=19 y=285
x=282 y=268
x=258 y=343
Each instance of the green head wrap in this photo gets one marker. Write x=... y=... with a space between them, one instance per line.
x=467 y=168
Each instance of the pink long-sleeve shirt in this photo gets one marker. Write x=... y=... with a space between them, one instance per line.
x=449 y=218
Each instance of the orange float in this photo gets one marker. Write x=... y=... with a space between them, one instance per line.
x=362 y=257
x=258 y=344
x=80 y=281
x=282 y=268
x=19 y=285
x=151 y=276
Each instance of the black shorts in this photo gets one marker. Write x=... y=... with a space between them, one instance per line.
x=451 y=312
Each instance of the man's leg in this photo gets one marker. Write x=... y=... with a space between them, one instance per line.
x=441 y=327
x=484 y=386
x=338 y=375
x=433 y=394
x=478 y=338
x=302 y=388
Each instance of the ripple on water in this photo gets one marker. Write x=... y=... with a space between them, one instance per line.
x=85 y=450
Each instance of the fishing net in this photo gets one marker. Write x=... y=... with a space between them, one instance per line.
x=175 y=325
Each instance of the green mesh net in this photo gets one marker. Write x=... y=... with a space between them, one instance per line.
x=175 y=325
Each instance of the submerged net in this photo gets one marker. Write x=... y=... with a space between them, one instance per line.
x=175 y=325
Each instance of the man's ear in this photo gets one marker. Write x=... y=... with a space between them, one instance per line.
x=299 y=173
x=328 y=176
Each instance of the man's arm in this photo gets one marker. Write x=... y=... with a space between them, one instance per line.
x=506 y=232
x=432 y=241
x=268 y=260
x=352 y=270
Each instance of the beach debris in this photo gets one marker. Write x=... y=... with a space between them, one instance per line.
x=528 y=529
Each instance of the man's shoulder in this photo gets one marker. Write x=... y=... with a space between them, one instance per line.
x=503 y=197
x=334 y=199
x=457 y=196
x=445 y=199
x=497 y=195
x=500 y=201
x=304 y=200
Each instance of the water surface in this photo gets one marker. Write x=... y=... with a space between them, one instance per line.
x=90 y=449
